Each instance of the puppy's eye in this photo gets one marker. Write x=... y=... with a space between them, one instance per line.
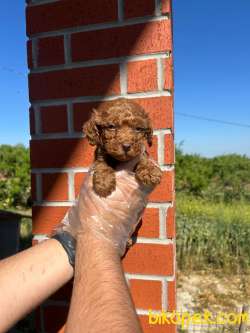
x=140 y=129
x=111 y=127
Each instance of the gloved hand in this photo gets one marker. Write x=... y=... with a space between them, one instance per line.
x=113 y=218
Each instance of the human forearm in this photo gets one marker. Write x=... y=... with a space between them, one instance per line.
x=101 y=300
x=29 y=277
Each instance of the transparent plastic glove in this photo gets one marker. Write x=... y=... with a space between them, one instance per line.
x=113 y=218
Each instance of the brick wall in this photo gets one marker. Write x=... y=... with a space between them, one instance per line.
x=81 y=52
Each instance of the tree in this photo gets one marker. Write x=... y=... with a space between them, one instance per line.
x=222 y=178
x=14 y=176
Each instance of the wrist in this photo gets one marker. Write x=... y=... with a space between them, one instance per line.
x=54 y=248
x=68 y=242
x=89 y=240
x=91 y=250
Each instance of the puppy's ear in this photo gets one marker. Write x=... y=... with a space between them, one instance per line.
x=149 y=136
x=91 y=130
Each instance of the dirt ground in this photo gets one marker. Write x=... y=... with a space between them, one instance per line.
x=213 y=291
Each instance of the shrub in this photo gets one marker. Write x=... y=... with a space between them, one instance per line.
x=14 y=176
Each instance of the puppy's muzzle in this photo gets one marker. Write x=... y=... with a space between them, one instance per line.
x=126 y=147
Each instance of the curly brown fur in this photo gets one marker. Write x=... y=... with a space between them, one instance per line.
x=119 y=129
x=147 y=172
x=103 y=179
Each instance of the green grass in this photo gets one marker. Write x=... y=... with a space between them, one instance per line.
x=211 y=235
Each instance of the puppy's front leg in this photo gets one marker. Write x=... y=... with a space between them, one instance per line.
x=103 y=179
x=147 y=172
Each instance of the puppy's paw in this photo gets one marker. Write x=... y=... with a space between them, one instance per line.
x=149 y=175
x=104 y=183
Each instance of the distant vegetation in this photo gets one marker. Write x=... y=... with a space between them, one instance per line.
x=223 y=178
x=14 y=177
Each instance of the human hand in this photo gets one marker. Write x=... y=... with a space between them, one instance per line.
x=113 y=218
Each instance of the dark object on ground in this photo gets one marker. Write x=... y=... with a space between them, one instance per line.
x=9 y=233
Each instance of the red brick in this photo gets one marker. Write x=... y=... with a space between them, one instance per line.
x=149 y=259
x=79 y=178
x=138 y=39
x=171 y=295
x=55 y=187
x=54 y=318
x=45 y=219
x=136 y=8
x=33 y=187
x=69 y=13
x=164 y=191
x=50 y=51
x=142 y=76
x=150 y=223
x=81 y=113
x=169 y=149
x=32 y=120
x=160 y=110
x=54 y=119
x=166 y=7
x=168 y=74
x=170 y=223
x=156 y=328
x=29 y=54
x=116 y=42
x=75 y=82
x=61 y=153
x=146 y=294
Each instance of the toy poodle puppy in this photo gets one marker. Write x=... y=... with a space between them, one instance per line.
x=119 y=130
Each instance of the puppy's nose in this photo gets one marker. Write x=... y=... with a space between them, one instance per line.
x=126 y=146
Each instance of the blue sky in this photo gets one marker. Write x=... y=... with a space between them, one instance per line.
x=212 y=75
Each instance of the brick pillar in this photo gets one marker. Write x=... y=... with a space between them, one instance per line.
x=81 y=52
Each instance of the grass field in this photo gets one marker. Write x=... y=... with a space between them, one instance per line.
x=211 y=235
